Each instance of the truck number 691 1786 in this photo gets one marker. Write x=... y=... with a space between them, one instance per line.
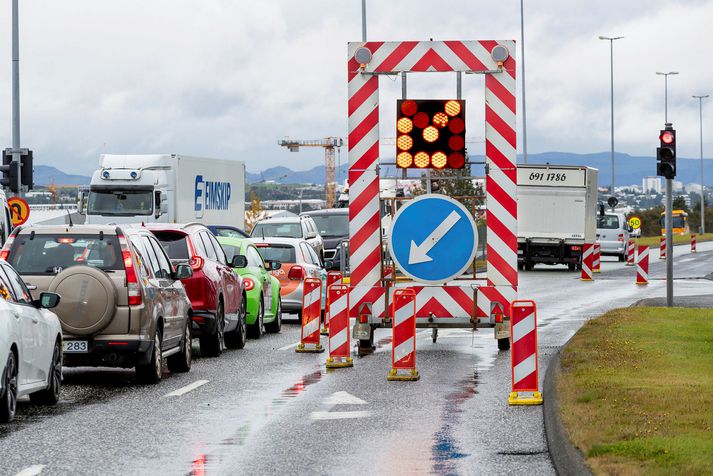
x=548 y=177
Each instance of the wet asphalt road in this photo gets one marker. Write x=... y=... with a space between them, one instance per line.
x=267 y=410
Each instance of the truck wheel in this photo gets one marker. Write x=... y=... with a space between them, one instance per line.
x=572 y=267
x=504 y=344
x=622 y=258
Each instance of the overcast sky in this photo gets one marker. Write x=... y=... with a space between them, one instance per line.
x=229 y=78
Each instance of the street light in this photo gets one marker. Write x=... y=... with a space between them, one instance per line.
x=522 y=69
x=700 y=122
x=611 y=40
x=666 y=75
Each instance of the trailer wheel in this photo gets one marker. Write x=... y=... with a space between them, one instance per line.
x=504 y=344
x=572 y=267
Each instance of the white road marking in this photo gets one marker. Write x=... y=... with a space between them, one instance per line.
x=33 y=470
x=290 y=346
x=338 y=415
x=187 y=388
x=343 y=398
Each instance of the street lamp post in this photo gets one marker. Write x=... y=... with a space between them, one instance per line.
x=522 y=69
x=665 y=93
x=700 y=123
x=611 y=40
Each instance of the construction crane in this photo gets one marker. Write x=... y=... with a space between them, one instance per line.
x=330 y=168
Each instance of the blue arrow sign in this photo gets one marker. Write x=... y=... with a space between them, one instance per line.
x=433 y=239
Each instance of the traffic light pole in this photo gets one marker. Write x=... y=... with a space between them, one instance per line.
x=669 y=243
x=16 y=152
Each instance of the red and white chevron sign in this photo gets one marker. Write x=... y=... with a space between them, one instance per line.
x=500 y=147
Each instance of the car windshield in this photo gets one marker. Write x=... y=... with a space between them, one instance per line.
x=678 y=221
x=332 y=225
x=608 y=222
x=281 y=253
x=229 y=232
x=50 y=254
x=277 y=230
x=174 y=243
x=120 y=202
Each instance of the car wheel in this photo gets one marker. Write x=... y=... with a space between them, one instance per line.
x=8 y=400
x=504 y=344
x=151 y=373
x=256 y=330
x=212 y=344
x=182 y=361
x=275 y=326
x=236 y=339
x=622 y=258
x=50 y=395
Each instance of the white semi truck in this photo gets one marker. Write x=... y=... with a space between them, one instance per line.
x=167 y=189
x=556 y=214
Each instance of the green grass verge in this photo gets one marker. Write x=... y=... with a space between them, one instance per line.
x=636 y=391
x=677 y=239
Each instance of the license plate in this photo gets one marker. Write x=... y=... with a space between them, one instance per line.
x=75 y=346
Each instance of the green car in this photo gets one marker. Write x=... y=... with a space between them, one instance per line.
x=264 y=305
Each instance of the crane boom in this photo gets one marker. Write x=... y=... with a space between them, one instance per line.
x=330 y=168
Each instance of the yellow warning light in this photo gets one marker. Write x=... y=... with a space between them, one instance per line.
x=439 y=160
x=440 y=120
x=422 y=160
x=404 y=142
x=404 y=125
x=452 y=108
x=404 y=160
x=430 y=134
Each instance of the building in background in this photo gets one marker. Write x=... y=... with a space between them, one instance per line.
x=652 y=185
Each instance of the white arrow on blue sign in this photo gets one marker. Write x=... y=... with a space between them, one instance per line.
x=433 y=239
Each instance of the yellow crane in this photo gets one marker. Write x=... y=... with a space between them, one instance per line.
x=330 y=168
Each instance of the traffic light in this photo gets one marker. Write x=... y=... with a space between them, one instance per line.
x=430 y=133
x=26 y=172
x=11 y=172
x=666 y=153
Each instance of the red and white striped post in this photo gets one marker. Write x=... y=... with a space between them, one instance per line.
x=523 y=329
x=311 y=311
x=333 y=277
x=587 y=260
x=403 y=345
x=597 y=258
x=662 y=248
x=339 y=338
x=693 y=244
x=642 y=265
x=630 y=252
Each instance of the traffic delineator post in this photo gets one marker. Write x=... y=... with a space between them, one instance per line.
x=597 y=258
x=311 y=312
x=587 y=260
x=662 y=248
x=523 y=355
x=333 y=277
x=693 y=244
x=339 y=335
x=403 y=345
x=630 y=253
x=642 y=265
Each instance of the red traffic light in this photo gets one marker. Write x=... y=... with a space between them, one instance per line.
x=667 y=137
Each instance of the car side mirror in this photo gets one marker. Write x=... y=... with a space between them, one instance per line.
x=183 y=271
x=81 y=206
x=274 y=265
x=49 y=300
x=239 y=261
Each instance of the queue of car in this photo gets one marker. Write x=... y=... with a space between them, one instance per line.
x=135 y=296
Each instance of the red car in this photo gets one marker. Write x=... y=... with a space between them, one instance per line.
x=217 y=294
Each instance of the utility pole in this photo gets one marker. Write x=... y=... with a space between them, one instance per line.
x=16 y=152
x=522 y=69
x=700 y=123
x=363 y=20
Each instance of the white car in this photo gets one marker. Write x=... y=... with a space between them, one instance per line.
x=30 y=345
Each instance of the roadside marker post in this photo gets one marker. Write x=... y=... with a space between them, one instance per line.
x=597 y=259
x=630 y=252
x=662 y=248
x=333 y=277
x=525 y=377
x=642 y=265
x=311 y=311
x=403 y=345
x=339 y=338
x=587 y=260
x=693 y=244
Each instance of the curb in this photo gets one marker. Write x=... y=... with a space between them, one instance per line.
x=566 y=458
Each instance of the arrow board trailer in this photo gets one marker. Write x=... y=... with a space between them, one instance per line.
x=166 y=189
x=556 y=208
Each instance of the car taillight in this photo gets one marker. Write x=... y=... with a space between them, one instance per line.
x=296 y=272
x=262 y=245
x=132 y=282
x=8 y=244
x=621 y=237
x=249 y=284
x=196 y=263
x=576 y=248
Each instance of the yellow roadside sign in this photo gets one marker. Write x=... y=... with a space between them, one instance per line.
x=635 y=222
x=19 y=210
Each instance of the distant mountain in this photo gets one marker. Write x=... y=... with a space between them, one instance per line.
x=43 y=175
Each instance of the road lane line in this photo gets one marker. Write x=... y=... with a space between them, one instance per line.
x=288 y=347
x=343 y=398
x=338 y=415
x=187 y=388
x=33 y=470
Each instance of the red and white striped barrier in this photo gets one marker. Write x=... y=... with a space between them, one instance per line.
x=693 y=244
x=587 y=260
x=630 y=252
x=333 y=277
x=642 y=265
x=597 y=258
x=403 y=345
x=339 y=338
x=311 y=312
x=662 y=248
x=525 y=378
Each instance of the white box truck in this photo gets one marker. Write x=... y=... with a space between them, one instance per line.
x=166 y=189
x=556 y=214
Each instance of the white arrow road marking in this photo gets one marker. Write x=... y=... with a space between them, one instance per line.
x=419 y=253
x=187 y=388
x=343 y=398
x=338 y=415
x=33 y=470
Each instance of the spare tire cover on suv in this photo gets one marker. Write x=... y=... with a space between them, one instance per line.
x=88 y=299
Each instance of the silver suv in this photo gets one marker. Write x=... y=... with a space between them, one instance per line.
x=302 y=227
x=123 y=304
